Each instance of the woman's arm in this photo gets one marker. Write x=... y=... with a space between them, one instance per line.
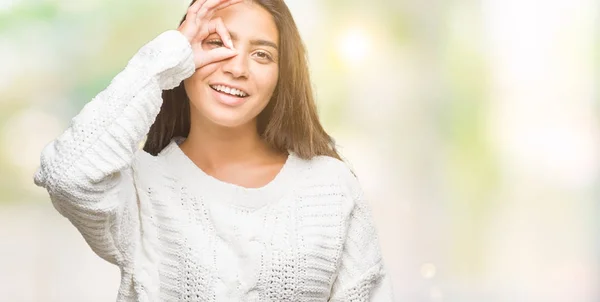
x=87 y=169
x=361 y=275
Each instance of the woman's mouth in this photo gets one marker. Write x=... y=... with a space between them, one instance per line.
x=228 y=95
x=229 y=90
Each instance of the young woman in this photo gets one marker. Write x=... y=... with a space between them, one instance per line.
x=238 y=193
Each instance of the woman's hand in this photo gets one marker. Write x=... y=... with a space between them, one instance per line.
x=198 y=25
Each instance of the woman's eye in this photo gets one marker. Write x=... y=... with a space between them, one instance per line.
x=217 y=43
x=263 y=55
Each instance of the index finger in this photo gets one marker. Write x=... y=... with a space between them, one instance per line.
x=209 y=8
x=217 y=25
x=226 y=4
x=194 y=8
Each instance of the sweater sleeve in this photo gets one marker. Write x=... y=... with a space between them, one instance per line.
x=87 y=170
x=361 y=274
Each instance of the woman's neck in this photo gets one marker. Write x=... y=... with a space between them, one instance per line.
x=212 y=146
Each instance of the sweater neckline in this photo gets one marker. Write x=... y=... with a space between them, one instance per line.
x=221 y=191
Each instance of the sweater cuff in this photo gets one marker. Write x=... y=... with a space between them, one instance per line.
x=169 y=56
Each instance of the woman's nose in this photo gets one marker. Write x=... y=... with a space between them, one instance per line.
x=237 y=66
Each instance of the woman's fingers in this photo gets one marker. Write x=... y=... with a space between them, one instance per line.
x=192 y=11
x=199 y=24
x=211 y=6
x=207 y=9
x=228 y=3
x=189 y=27
x=215 y=55
x=217 y=25
x=198 y=17
x=195 y=6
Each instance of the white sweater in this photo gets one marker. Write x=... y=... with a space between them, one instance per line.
x=178 y=234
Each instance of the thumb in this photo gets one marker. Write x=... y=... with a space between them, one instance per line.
x=218 y=54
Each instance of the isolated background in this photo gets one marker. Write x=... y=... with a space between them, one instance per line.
x=473 y=126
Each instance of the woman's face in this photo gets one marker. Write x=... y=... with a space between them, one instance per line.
x=231 y=93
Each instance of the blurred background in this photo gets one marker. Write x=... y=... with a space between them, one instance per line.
x=472 y=125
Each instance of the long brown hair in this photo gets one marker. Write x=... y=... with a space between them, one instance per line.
x=288 y=122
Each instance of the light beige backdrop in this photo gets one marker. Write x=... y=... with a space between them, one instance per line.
x=472 y=125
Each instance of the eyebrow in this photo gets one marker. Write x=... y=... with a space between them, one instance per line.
x=257 y=42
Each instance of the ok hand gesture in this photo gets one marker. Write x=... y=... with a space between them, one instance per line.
x=199 y=24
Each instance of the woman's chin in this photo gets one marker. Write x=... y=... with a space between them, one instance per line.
x=227 y=120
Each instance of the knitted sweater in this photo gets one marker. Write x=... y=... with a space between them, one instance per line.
x=178 y=234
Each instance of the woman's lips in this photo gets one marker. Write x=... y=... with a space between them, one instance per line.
x=228 y=99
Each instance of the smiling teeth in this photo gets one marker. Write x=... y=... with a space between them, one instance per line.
x=229 y=90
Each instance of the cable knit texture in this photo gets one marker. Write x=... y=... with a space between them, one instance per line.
x=178 y=234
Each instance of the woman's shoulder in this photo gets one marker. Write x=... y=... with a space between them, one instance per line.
x=329 y=181
x=329 y=169
x=328 y=165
